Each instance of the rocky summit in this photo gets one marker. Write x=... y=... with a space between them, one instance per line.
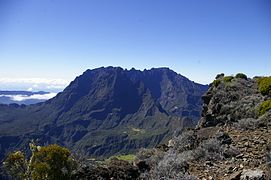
x=232 y=140
x=106 y=111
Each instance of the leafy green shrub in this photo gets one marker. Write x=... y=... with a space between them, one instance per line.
x=228 y=78
x=216 y=82
x=53 y=162
x=241 y=76
x=47 y=162
x=264 y=84
x=264 y=107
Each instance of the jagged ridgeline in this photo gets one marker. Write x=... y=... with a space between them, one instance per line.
x=106 y=111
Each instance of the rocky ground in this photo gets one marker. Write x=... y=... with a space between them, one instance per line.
x=232 y=141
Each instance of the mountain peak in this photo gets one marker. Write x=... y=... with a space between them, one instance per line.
x=102 y=106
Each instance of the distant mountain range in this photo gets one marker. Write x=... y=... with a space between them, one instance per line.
x=106 y=111
x=24 y=97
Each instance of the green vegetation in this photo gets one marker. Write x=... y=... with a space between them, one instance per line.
x=264 y=107
x=127 y=157
x=220 y=76
x=216 y=82
x=241 y=76
x=228 y=78
x=15 y=165
x=47 y=162
x=264 y=84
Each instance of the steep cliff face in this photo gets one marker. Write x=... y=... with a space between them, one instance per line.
x=106 y=111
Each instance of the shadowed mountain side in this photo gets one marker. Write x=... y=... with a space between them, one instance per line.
x=106 y=111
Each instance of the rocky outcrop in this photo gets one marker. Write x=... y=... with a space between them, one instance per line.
x=232 y=139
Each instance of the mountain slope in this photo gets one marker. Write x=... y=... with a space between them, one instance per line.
x=107 y=111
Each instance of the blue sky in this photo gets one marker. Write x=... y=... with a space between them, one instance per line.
x=54 y=39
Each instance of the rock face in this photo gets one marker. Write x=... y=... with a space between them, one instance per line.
x=231 y=141
x=230 y=102
x=106 y=111
x=231 y=108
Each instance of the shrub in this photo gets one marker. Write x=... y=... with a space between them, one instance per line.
x=52 y=162
x=16 y=165
x=219 y=76
x=209 y=150
x=228 y=78
x=247 y=124
x=216 y=82
x=241 y=76
x=264 y=107
x=185 y=141
x=264 y=84
x=171 y=166
x=47 y=162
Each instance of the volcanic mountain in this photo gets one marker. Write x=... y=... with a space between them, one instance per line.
x=106 y=111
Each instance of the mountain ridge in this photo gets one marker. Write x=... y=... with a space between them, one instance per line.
x=108 y=110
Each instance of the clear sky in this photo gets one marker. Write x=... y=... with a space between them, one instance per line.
x=56 y=40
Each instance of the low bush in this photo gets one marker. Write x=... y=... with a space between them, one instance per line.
x=228 y=78
x=209 y=150
x=241 y=76
x=264 y=84
x=46 y=162
x=185 y=141
x=247 y=124
x=264 y=107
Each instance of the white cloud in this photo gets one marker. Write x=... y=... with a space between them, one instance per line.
x=35 y=81
x=20 y=97
x=30 y=89
x=33 y=84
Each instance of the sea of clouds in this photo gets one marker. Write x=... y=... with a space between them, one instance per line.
x=21 y=97
x=33 y=84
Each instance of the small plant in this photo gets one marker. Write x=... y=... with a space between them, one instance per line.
x=209 y=150
x=264 y=107
x=228 y=78
x=241 y=76
x=185 y=141
x=216 y=82
x=264 y=84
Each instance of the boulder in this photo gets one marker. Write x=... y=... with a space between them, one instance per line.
x=252 y=174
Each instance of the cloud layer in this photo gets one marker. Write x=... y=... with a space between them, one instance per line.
x=20 y=97
x=33 y=84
